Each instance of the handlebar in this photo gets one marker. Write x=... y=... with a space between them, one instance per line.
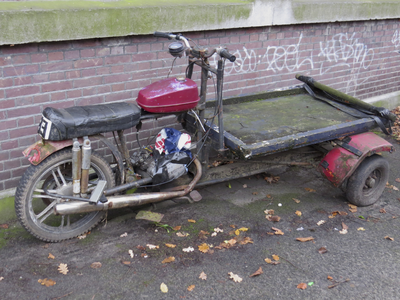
x=169 y=36
x=221 y=51
x=224 y=53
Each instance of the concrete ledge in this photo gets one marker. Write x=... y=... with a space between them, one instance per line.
x=40 y=21
x=389 y=101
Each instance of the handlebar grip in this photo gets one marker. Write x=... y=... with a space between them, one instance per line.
x=162 y=34
x=226 y=54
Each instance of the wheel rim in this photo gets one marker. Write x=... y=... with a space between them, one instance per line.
x=372 y=182
x=58 y=180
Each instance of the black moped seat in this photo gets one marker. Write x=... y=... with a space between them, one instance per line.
x=67 y=123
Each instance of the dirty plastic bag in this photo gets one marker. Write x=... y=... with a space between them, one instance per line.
x=170 y=166
x=170 y=140
x=172 y=155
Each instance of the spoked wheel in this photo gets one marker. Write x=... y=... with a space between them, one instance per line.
x=367 y=183
x=35 y=209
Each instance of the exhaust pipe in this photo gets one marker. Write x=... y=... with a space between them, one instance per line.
x=75 y=207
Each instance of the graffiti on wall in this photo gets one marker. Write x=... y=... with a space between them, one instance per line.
x=343 y=50
x=396 y=41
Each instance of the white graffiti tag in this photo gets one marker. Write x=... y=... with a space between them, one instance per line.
x=341 y=50
x=396 y=39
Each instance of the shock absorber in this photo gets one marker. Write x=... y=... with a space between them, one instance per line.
x=76 y=167
x=86 y=153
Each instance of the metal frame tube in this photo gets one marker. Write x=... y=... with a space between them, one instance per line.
x=76 y=167
x=86 y=153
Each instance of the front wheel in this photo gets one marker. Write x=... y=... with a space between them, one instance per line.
x=35 y=209
x=367 y=183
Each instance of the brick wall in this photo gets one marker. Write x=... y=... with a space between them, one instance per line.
x=359 y=58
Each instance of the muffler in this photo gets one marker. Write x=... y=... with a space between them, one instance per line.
x=114 y=202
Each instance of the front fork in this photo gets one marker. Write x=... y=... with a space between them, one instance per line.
x=81 y=166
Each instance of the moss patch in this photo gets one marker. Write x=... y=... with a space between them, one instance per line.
x=7 y=212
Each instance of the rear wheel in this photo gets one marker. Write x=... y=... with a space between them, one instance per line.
x=35 y=209
x=367 y=183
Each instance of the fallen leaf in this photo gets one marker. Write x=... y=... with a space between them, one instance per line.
x=244 y=186
x=51 y=256
x=272 y=179
x=361 y=229
x=191 y=287
x=203 y=276
x=124 y=234
x=1 y=278
x=305 y=239
x=397 y=180
x=96 y=265
x=344 y=226
x=389 y=238
x=319 y=223
x=144 y=255
x=255 y=193
x=298 y=213
x=331 y=216
x=4 y=226
x=125 y=262
x=164 y=288
x=342 y=213
x=310 y=190
x=170 y=245
x=168 y=260
x=130 y=253
x=233 y=226
x=141 y=248
x=269 y=261
x=275 y=257
x=269 y=196
x=188 y=249
x=322 y=250
x=353 y=208
x=246 y=240
x=229 y=185
x=202 y=234
x=302 y=286
x=231 y=242
x=382 y=211
x=258 y=272
x=343 y=231
x=151 y=247
x=237 y=231
x=82 y=236
x=182 y=234
x=176 y=228
x=63 y=269
x=191 y=221
x=310 y=283
x=235 y=277
x=330 y=277
x=277 y=231
x=204 y=248
x=274 y=218
x=269 y=212
x=214 y=234
x=47 y=282
x=296 y=200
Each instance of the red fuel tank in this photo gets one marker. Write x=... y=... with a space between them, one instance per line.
x=169 y=95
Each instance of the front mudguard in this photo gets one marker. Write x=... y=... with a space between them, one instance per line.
x=339 y=164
